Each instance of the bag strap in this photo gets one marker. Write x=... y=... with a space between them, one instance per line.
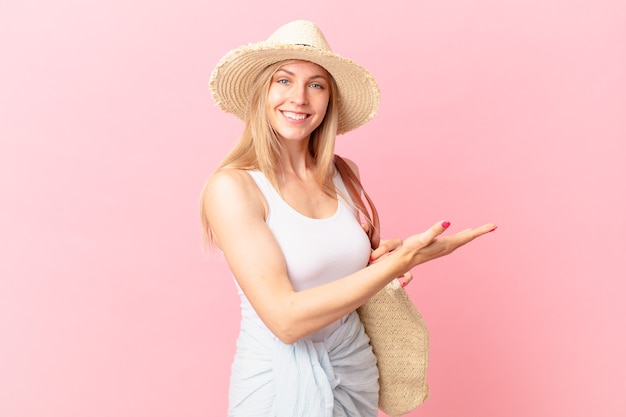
x=356 y=191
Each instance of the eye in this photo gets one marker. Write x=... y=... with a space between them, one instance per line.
x=282 y=81
x=317 y=85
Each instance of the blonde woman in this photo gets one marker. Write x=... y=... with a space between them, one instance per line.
x=279 y=211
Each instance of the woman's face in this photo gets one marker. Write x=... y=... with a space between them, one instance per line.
x=297 y=99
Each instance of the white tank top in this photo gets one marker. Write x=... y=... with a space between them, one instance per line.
x=317 y=251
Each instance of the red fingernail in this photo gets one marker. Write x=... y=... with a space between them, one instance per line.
x=493 y=229
x=445 y=224
x=403 y=284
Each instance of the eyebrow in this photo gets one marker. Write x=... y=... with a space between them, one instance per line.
x=310 y=78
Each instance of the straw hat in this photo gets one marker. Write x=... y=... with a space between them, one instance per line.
x=232 y=78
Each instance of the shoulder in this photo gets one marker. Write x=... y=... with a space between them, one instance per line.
x=352 y=165
x=229 y=180
x=231 y=190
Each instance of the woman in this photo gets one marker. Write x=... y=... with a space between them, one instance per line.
x=279 y=211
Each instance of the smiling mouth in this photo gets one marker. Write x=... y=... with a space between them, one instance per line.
x=295 y=116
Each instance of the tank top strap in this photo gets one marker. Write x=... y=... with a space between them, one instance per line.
x=275 y=203
x=265 y=186
x=343 y=195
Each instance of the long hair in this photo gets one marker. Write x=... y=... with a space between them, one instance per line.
x=259 y=148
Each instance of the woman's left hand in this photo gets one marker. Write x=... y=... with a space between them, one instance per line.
x=384 y=249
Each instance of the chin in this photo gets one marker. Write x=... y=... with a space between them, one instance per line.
x=294 y=136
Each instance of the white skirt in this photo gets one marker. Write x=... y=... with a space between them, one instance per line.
x=333 y=378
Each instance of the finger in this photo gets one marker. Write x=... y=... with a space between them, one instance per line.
x=388 y=245
x=435 y=230
x=426 y=238
x=384 y=248
x=465 y=236
x=481 y=230
x=365 y=227
x=405 y=279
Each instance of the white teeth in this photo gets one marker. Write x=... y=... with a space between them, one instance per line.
x=294 y=116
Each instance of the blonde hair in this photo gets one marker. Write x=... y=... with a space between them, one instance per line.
x=259 y=148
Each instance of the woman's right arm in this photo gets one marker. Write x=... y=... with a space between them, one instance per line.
x=236 y=212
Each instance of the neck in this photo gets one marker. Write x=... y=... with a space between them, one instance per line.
x=295 y=159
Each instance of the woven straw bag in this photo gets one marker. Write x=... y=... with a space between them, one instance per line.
x=399 y=339
x=397 y=331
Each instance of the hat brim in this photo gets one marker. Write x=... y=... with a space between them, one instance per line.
x=232 y=79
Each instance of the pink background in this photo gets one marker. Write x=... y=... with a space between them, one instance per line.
x=505 y=111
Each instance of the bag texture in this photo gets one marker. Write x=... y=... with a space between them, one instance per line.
x=397 y=331
x=399 y=339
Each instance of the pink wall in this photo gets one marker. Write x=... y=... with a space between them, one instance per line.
x=513 y=112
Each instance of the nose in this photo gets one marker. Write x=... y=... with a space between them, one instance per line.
x=299 y=94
